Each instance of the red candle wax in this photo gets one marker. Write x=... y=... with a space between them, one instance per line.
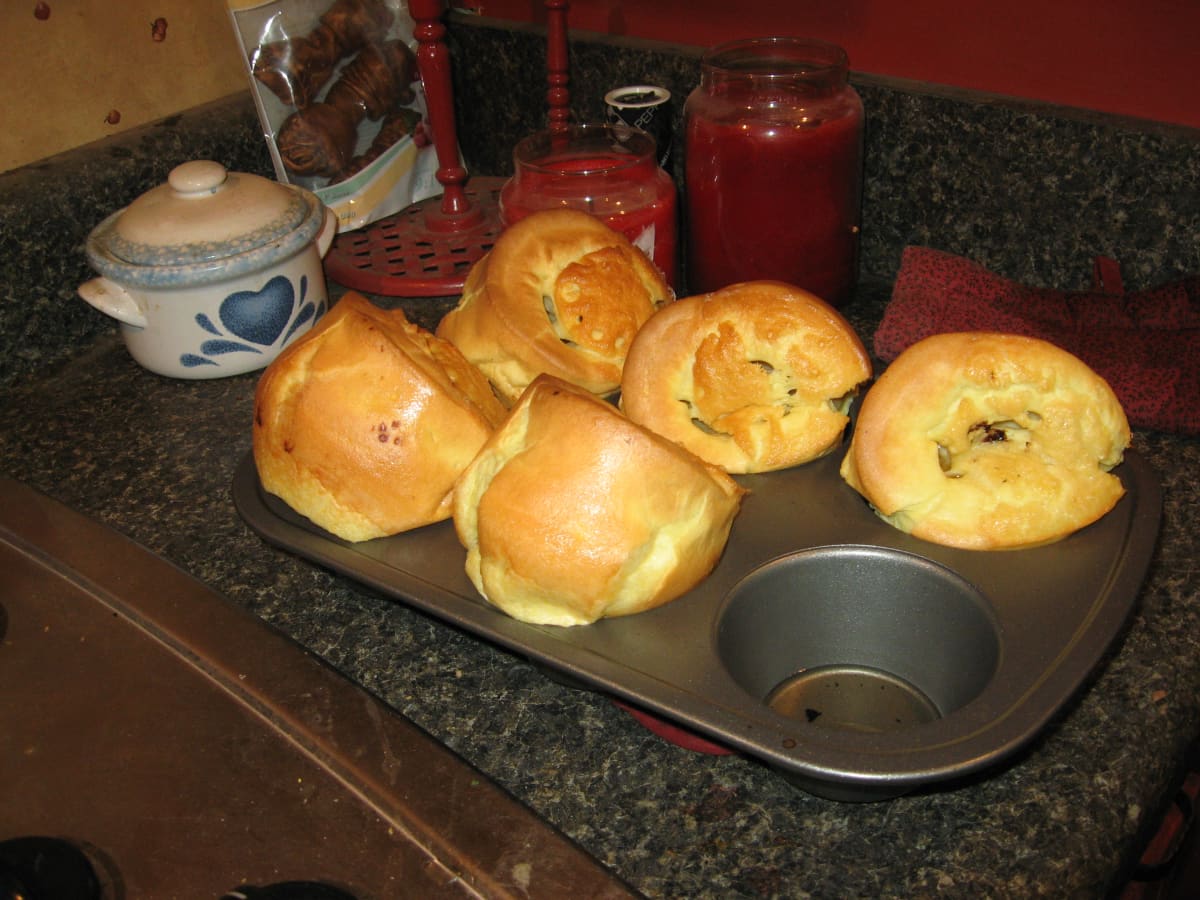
x=773 y=174
x=619 y=182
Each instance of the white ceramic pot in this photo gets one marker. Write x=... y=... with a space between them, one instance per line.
x=212 y=273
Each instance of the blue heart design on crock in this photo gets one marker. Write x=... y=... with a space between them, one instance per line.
x=216 y=348
x=191 y=361
x=206 y=323
x=260 y=316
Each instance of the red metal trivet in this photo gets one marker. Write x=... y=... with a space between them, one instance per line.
x=401 y=256
x=674 y=734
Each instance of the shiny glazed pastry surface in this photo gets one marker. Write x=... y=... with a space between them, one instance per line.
x=988 y=441
x=754 y=377
x=364 y=424
x=571 y=512
x=560 y=293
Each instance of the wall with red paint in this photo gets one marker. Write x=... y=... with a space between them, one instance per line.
x=1129 y=57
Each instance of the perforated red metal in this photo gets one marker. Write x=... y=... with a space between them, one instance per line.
x=401 y=256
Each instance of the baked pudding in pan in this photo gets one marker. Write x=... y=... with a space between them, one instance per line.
x=988 y=441
x=754 y=377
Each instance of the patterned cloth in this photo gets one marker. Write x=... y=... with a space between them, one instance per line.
x=1146 y=344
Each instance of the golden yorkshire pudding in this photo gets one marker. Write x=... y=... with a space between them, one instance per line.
x=364 y=424
x=753 y=377
x=988 y=441
x=571 y=512
x=559 y=293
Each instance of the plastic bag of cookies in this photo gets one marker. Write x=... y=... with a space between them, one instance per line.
x=340 y=100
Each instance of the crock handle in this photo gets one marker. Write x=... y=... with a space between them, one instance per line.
x=327 y=233
x=113 y=300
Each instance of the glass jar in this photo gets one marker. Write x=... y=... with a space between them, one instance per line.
x=773 y=167
x=616 y=179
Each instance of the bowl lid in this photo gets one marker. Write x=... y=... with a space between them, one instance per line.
x=203 y=213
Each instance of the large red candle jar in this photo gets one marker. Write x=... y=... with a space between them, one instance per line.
x=773 y=167
x=616 y=179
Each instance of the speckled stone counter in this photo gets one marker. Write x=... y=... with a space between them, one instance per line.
x=1032 y=194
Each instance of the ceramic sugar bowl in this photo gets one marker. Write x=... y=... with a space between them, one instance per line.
x=212 y=273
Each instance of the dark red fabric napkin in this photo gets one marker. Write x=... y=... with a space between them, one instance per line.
x=1146 y=344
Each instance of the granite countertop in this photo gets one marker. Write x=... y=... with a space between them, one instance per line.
x=155 y=458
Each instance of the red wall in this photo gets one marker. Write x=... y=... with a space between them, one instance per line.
x=1132 y=57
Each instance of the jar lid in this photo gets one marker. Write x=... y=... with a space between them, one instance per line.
x=204 y=213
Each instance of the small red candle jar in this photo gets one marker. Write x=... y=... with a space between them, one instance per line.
x=773 y=167
x=618 y=180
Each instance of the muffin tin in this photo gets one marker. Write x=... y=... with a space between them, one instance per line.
x=857 y=661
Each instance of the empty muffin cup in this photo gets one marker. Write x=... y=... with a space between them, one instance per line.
x=858 y=638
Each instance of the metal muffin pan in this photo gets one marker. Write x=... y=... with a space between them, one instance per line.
x=859 y=662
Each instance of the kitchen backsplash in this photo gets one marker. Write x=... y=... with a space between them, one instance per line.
x=1030 y=190
x=1034 y=193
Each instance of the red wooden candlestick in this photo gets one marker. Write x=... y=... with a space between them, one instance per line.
x=433 y=60
x=558 y=96
x=427 y=249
